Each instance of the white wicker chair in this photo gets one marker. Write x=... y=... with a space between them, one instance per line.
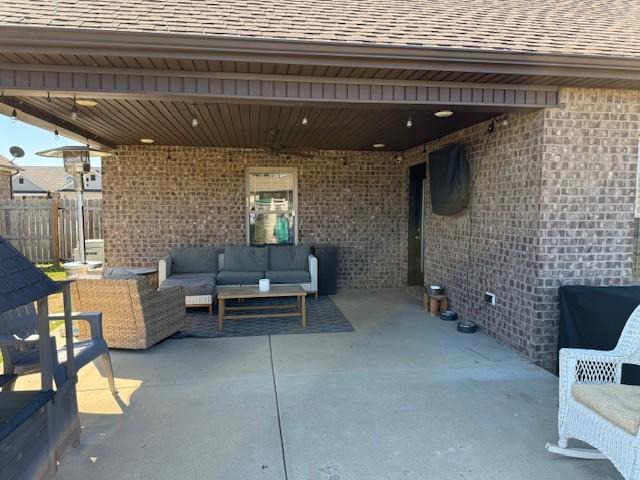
x=576 y=420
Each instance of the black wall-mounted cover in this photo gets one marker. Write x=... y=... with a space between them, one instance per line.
x=450 y=180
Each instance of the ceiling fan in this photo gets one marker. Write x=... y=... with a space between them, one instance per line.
x=278 y=148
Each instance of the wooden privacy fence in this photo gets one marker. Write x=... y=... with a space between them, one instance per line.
x=44 y=229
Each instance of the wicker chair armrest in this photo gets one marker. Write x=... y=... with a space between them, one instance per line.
x=583 y=354
x=94 y=319
x=168 y=301
x=590 y=366
x=170 y=295
x=585 y=366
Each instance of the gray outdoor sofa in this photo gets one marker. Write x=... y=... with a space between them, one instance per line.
x=198 y=270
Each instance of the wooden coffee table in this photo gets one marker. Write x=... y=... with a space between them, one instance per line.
x=229 y=293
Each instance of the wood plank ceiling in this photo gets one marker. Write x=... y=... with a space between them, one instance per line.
x=126 y=121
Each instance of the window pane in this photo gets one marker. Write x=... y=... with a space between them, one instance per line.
x=270 y=228
x=271 y=191
x=271 y=209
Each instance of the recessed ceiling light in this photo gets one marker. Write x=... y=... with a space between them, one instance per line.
x=378 y=145
x=146 y=140
x=86 y=102
x=443 y=113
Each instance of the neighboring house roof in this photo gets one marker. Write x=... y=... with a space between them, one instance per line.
x=46 y=179
x=607 y=28
x=20 y=281
x=7 y=165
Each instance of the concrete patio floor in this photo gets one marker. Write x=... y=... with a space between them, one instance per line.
x=403 y=397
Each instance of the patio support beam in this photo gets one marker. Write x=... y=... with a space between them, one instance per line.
x=23 y=81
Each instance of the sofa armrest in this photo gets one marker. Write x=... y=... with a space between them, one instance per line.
x=164 y=268
x=313 y=270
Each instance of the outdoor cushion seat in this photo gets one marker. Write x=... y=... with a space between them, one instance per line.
x=241 y=258
x=228 y=277
x=289 y=257
x=288 y=276
x=194 y=260
x=619 y=404
x=192 y=283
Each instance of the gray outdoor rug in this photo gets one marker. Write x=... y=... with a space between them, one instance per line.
x=323 y=316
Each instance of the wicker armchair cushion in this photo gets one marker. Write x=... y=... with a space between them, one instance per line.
x=192 y=283
x=289 y=257
x=120 y=273
x=245 y=259
x=619 y=404
x=194 y=260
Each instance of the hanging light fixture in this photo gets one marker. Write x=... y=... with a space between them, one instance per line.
x=14 y=116
x=194 y=120
x=443 y=113
x=305 y=121
x=56 y=134
x=74 y=110
x=409 y=122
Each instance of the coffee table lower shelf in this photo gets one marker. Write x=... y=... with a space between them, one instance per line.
x=239 y=293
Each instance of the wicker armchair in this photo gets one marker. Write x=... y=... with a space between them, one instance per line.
x=134 y=314
x=596 y=408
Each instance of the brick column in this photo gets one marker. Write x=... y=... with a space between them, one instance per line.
x=5 y=185
x=590 y=158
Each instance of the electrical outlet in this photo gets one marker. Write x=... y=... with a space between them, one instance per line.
x=490 y=298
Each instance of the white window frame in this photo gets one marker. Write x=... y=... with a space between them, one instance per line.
x=294 y=211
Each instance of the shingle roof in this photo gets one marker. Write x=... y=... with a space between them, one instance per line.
x=575 y=27
x=51 y=178
x=6 y=164
x=20 y=281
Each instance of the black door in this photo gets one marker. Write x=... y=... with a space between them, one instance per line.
x=415 y=275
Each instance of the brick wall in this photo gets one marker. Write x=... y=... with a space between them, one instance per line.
x=492 y=245
x=553 y=205
x=355 y=200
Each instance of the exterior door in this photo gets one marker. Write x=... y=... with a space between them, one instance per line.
x=415 y=271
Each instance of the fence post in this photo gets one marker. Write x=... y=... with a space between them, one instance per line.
x=55 y=235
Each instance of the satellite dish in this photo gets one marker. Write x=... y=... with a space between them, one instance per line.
x=16 y=152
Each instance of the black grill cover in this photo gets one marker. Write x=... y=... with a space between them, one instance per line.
x=450 y=180
x=593 y=317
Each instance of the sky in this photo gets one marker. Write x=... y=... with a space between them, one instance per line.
x=32 y=139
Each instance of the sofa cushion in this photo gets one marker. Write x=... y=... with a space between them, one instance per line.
x=288 y=276
x=193 y=283
x=124 y=273
x=240 y=258
x=194 y=260
x=227 y=277
x=289 y=257
x=619 y=404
